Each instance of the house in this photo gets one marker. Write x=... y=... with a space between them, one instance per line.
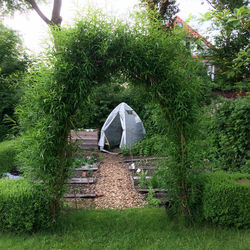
x=196 y=43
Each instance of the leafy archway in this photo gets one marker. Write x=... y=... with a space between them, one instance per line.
x=90 y=53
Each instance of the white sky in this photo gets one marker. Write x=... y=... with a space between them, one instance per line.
x=34 y=31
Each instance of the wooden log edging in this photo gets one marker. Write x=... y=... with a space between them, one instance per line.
x=156 y=190
x=86 y=168
x=138 y=177
x=81 y=181
x=144 y=159
x=80 y=195
x=132 y=182
x=142 y=167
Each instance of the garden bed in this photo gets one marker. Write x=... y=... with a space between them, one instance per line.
x=142 y=170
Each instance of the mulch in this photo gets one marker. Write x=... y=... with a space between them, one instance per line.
x=113 y=187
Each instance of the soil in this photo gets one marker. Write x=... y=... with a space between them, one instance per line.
x=113 y=186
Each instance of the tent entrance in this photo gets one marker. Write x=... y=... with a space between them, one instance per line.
x=113 y=132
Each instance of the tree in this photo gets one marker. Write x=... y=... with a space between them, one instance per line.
x=13 y=62
x=229 y=54
x=9 y=6
x=166 y=9
x=231 y=5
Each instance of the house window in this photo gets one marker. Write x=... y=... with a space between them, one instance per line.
x=211 y=71
x=179 y=24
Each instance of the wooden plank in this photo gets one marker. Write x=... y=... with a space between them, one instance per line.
x=138 y=177
x=142 y=167
x=81 y=181
x=79 y=195
x=145 y=159
x=86 y=168
x=156 y=190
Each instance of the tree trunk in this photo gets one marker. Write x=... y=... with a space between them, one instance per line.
x=56 y=19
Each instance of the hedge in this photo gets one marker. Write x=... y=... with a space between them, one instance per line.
x=23 y=207
x=230 y=134
x=226 y=199
x=8 y=151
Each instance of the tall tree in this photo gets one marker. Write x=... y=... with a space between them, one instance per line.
x=231 y=19
x=227 y=4
x=13 y=62
x=9 y=6
x=166 y=9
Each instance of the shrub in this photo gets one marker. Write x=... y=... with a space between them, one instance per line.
x=23 y=207
x=226 y=199
x=230 y=134
x=154 y=145
x=8 y=151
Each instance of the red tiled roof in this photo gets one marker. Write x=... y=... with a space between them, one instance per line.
x=190 y=30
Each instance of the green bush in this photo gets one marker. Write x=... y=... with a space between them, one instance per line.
x=230 y=134
x=154 y=145
x=226 y=199
x=23 y=207
x=8 y=151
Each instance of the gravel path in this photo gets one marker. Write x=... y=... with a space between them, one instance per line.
x=114 y=185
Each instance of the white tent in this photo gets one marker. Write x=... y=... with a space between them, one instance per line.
x=123 y=127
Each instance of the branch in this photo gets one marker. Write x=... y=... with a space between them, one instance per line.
x=210 y=3
x=56 y=19
x=39 y=12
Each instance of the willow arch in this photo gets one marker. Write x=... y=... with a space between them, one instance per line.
x=90 y=53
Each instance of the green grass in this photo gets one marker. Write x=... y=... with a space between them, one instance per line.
x=143 y=229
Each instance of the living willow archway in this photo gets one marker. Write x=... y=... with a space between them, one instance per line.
x=90 y=53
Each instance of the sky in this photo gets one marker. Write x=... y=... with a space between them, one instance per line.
x=34 y=31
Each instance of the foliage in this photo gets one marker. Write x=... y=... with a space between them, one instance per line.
x=45 y=152
x=229 y=4
x=166 y=9
x=226 y=200
x=92 y=52
x=142 y=179
x=8 y=152
x=9 y=6
x=79 y=161
x=231 y=43
x=229 y=132
x=13 y=62
x=151 y=201
x=24 y=207
x=103 y=99
x=154 y=145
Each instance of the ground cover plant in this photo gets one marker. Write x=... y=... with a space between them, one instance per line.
x=144 y=228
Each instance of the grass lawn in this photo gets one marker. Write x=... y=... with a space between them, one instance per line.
x=143 y=228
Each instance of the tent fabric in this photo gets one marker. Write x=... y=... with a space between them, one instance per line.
x=122 y=128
